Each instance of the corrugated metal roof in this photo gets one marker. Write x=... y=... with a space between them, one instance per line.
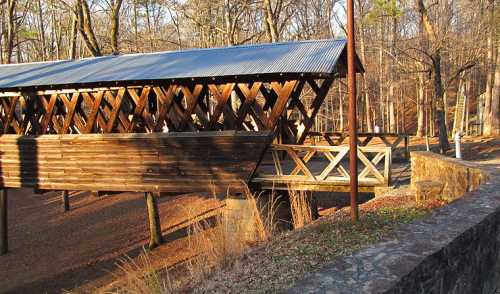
x=314 y=57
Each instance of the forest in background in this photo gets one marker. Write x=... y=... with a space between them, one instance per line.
x=420 y=56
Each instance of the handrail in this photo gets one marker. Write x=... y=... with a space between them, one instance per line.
x=302 y=169
x=392 y=140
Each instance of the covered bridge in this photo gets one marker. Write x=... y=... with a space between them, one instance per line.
x=193 y=120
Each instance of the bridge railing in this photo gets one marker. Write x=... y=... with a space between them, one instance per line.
x=326 y=165
x=392 y=140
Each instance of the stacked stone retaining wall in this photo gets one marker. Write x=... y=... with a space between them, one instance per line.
x=455 y=250
x=457 y=176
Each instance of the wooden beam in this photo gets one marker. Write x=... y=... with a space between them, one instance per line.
x=283 y=91
x=156 y=237
x=117 y=103
x=71 y=107
x=9 y=113
x=4 y=240
x=93 y=101
x=321 y=93
x=222 y=98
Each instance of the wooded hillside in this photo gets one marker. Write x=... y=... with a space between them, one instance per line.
x=419 y=55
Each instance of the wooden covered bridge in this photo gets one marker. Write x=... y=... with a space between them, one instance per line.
x=187 y=121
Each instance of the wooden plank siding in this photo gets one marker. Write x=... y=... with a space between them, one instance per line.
x=155 y=162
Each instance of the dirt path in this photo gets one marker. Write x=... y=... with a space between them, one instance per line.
x=51 y=250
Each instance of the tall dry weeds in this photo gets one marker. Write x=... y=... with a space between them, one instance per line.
x=139 y=276
x=215 y=243
x=300 y=204
x=221 y=242
x=264 y=213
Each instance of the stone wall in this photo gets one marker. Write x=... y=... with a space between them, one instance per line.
x=457 y=176
x=455 y=250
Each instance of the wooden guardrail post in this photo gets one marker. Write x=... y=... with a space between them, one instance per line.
x=4 y=245
x=65 y=200
x=155 y=238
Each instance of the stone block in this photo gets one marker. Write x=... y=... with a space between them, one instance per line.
x=240 y=219
x=382 y=191
x=428 y=190
x=457 y=176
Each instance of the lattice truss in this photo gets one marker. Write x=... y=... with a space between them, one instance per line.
x=250 y=106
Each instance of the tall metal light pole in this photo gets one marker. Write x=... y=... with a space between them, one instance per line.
x=353 y=140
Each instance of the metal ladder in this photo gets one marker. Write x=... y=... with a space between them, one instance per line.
x=458 y=122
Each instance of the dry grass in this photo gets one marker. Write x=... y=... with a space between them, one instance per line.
x=300 y=204
x=135 y=276
x=216 y=243
x=139 y=276
x=224 y=241
x=264 y=212
x=290 y=256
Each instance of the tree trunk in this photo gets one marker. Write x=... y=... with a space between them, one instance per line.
x=495 y=97
x=85 y=27
x=381 y=77
x=271 y=26
x=392 y=119
x=420 y=106
x=115 y=27
x=435 y=57
x=490 y=72
x=136 y=32
x=228 y=23
x=9 y=42
x=444 y=145
x=391 y=74
x=42 y=32
x=72 y=45
x=341 y=110
x=362 y=48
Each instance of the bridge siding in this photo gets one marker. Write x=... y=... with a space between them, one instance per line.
x=151 y=162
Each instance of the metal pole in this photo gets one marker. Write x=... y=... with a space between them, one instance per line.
x=458 y=151
x=351 y=77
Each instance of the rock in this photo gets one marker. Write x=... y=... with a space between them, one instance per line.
x=457 y=176
x=428 y=190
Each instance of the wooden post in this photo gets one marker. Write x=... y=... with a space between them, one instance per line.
x=353 y=140
x=4 y=245
x=407 y=147
x=65 y=200
x=154 y=221
x=314 y=207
